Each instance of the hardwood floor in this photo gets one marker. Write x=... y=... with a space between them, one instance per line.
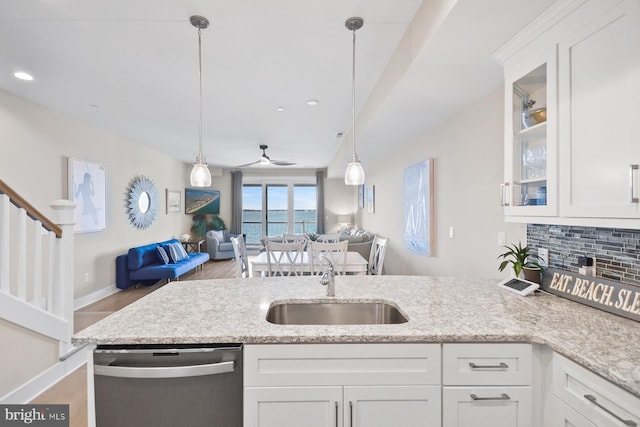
x=72 y=389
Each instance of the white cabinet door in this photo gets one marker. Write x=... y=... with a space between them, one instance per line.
x=530 y=150
x=293 y=406
x=384 y=406
x=599 y=89
x=486 y=407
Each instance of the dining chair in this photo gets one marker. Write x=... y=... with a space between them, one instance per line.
x=328 y=238
x=240 y=251
x=376 y=257
x=321 y=253
x=285 y=259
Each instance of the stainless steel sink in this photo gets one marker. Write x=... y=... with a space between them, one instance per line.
x=334 y=313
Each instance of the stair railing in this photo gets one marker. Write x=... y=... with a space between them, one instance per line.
x=36 y=266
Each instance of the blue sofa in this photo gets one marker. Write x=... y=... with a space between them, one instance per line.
x=143 y=266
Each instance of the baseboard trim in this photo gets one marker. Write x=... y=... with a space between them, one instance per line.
x=36 y=386
x=95 y=296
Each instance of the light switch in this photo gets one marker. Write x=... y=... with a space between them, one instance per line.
x=452 y=233
x=502 y=238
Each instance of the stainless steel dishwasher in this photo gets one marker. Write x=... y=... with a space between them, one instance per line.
x=168 y=385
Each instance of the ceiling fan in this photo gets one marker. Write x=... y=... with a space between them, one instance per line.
x=266 y=160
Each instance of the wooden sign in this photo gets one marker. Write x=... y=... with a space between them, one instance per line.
x=615 y=297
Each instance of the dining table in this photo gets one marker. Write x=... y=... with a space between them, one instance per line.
x=354 y=264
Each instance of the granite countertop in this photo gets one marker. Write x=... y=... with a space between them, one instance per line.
x=440 y=309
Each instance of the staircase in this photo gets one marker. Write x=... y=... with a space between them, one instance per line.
x=36 y=271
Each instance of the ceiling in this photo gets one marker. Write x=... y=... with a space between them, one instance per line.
x=131 y=68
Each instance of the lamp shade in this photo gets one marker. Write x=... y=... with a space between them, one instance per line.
x=354 y=175
x=200 y=175
x=344 y=219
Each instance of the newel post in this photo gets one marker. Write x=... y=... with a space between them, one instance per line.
x=62 y=298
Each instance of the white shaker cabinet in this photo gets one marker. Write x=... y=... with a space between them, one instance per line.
x=600 y=403
x=364 y=385
x=568 y=417
x=581 y=59
x=293 y=406
x=487 y=385
x=599 y=109
x=530 y=181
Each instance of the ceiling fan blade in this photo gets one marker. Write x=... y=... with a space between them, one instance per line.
x=248 y=164
x=282 y=163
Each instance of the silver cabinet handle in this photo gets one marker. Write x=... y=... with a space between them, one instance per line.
x=350 y=414
x=336 y=402
x=503 y=194
x=631 y=184
x=503 y=396
x=502 y=365
x=164 y=372
x=593 y=400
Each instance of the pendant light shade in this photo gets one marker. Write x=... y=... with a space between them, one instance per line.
x=354 y=175
x=200 y=174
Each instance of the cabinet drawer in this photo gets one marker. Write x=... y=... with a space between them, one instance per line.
x=598 y=400
x=345 y=364
x=567 y=417
x=487 y=406
x=486 y=364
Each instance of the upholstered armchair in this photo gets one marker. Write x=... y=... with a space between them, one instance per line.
x=219 y=244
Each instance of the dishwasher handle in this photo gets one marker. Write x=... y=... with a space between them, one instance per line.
x=164 y=372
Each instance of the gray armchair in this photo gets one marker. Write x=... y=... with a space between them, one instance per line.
x=219 y=244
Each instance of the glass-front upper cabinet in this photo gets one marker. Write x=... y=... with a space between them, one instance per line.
x=530 y=186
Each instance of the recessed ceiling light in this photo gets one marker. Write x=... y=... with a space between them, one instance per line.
x=23 y=76
x=280 y=108
x=312 y=102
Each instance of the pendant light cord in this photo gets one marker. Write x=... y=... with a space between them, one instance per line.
x=353 y=96
x=200 y=78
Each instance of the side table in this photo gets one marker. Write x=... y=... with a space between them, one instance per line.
x=192 y=246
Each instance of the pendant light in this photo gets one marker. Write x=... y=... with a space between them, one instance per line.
x=200 y=174
x=354 y=175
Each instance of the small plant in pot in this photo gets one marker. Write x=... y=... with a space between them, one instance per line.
x=523 y=262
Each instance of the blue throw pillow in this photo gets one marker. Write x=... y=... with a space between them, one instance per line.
x=183 y=252
x=177 y=252
x=162 y=255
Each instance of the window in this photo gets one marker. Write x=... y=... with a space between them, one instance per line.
x=252 y=212
x=277 y=210
x=273 y=209
x=305 y=209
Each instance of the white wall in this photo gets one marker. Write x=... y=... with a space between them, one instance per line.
x=34 y=145
x=468 y=156
x=338 y=201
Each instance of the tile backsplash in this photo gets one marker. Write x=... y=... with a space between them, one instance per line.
x=617 y=251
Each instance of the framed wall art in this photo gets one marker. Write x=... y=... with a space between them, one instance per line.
x=371 y=199
x=418 y=207
x=199 y=201
x=361 y=196
x=174 y=201
x=87 y=187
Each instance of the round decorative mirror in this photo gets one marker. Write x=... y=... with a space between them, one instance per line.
x=142 y=202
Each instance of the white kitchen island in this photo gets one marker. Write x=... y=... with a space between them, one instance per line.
x=441 y=310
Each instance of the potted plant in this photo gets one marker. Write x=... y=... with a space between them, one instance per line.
x=522 y=261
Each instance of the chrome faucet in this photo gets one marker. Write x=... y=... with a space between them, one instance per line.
x=328 y=278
